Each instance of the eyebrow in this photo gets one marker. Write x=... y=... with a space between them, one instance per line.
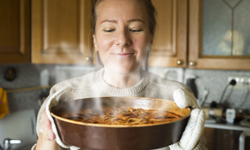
x=115 y=21
x=132 y=20
x=107 y=20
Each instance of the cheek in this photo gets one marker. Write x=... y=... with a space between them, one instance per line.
x=142 y=45
x=104 y=43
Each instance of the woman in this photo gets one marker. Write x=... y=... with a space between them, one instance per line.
x=123 y=33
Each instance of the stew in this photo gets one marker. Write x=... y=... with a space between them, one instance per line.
x=121 y=116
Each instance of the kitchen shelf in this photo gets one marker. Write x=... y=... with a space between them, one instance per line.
x=28 y=89
x=227 y=126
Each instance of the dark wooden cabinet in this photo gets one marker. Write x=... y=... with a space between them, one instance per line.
x=15 y=30
x=170 y=43
x=223 y=139
x=58 y=32
x=61 y=32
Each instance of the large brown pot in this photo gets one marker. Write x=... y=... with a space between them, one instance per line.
x=119 y=137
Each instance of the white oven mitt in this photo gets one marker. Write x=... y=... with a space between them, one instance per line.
x=195 y=125
x=60 y=96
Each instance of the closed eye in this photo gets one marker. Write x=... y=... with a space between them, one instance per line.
x=108 y=30
x=133 y=30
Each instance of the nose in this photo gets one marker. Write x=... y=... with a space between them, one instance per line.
x=123 y=38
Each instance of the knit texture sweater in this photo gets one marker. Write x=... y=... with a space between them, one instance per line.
x=93 y=85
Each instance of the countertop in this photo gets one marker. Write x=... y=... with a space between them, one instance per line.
x=227 y=126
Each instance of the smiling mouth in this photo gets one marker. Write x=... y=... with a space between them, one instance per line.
x=123 y=55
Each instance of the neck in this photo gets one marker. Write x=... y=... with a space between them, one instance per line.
x=122 y=80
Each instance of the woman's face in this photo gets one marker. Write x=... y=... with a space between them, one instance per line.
x=122 y=35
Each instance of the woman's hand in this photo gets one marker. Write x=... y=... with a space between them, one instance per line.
x=46 y=139
x=46 y=127
x=194 y=128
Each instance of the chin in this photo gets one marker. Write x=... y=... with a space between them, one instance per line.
x=123 y=69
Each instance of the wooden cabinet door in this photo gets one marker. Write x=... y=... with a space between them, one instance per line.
x=14 y=31
x=170 y=43
x=236 y=13
x=61 y=31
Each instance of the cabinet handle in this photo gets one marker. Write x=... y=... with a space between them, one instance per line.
x=87 y=58
x=179 y=62
x=192 y=63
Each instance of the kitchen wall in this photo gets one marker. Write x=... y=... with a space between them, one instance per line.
x=215 y=81
x=28 y=75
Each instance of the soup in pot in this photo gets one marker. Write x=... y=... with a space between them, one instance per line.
x=122 y=116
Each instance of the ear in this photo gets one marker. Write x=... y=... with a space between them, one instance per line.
x=95 y=43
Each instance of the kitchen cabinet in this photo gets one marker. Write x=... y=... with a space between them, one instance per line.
x=202 y=34
x=199 y=34
x=225 y=136
x=61 y=32
x=170 y=42
x=15 y=31
x=219 y=34
x=219 y=139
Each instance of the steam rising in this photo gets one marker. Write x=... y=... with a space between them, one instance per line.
x=129 y=79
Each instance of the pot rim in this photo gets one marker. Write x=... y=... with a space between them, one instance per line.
x=114 y=126
x=121 y=126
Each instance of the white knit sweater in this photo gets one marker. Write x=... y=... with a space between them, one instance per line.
x=93 y=85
